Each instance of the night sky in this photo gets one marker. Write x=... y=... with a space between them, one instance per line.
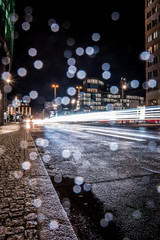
x=121 y=42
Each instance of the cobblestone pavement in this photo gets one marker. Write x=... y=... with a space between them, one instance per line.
x=29 y=205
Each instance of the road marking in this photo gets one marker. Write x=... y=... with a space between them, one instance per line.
x=116 y=136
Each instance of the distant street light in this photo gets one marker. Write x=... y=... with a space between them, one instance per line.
x=55 y=86
x=78 y=96
x=8 y=81
x=73 y=101
x=123 y=87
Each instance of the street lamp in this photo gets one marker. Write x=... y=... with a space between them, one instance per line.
x=73 y=101
x=123 y=87
x=55 y=86
x=78 y=96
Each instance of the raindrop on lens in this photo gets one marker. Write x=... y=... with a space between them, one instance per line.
x=87 y=187
x=33 y=156
x=65 y=100
x=152 y=83
x=38 y=64
x=37 y=202
x=89 y=51
x=137 y=214
x=71 y=61
x=66 y=153
x=26 y=165
x=6 y=75
x=58 y=178
x=70 y=41
x=46 y=158
x=5 y=60
x=32 y=52
x=77 y=189
x=23 y=144
x=95 y=37
x=81 y=74
x=25 y=26
x=16 y=103
x=115 y=16
x=78 y=180
x=55 y=27
x=106 y=74
x=26 y=99
x=105 y=66
x=104 y=223
x=145 y=56
x=71 y=91
x=33 y=94
x=22 y=72
x=7 y=88
x=18 y=174
x=109 y=217
x=79 y=51
x=114 y=89
x=53 y=225
x=28 y=10
x=134 y=83
x=113 y=146
x=39 y=142
x=67 y=53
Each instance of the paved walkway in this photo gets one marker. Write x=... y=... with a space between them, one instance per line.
x=29 y=205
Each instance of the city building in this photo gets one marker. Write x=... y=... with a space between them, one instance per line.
x=96 y=96
x=6 y=46
x=23 y=111
x=152 y=45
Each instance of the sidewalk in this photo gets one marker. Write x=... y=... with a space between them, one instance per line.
x=29 y=205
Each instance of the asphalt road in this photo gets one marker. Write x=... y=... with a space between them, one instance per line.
x=107 y=177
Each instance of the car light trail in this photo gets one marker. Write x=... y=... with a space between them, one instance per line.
x=118 y=136
x=136 y=114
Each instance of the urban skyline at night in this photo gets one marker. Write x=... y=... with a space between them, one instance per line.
x=103 y=39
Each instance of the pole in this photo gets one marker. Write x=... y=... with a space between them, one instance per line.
x=122 y=97
x=54 y=92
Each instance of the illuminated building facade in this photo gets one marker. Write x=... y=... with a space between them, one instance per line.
x=96 y=96
x=152 y=45
x=6 y=44
x=23 y=111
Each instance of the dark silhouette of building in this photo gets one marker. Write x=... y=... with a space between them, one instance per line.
x=152 y=45
x=6 y=46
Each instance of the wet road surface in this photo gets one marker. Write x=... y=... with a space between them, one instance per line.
x=107 y=178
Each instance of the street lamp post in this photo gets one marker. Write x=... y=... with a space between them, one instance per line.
x=55 y=86
x=123 y=87
x=73 y=101
x=78 y=96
